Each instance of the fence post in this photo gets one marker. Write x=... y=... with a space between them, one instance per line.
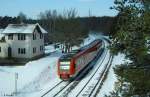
x=16 y=78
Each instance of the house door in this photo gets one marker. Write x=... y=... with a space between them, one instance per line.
x=9 y=52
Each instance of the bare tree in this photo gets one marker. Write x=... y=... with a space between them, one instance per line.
x=64 y=27
x=22 y=17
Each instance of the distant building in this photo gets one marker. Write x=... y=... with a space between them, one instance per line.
x=22 y=41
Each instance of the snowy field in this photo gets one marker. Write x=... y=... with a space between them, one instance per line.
x=36 y=77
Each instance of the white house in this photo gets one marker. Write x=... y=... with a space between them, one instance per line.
x=3 y=45
x=22 y=41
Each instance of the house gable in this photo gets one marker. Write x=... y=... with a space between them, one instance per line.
x=38 y=29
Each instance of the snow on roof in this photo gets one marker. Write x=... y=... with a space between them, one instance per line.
x=42 y=30
x=22 y=28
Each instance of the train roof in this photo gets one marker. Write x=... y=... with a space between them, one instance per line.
x=91 y=44
x=69 y=55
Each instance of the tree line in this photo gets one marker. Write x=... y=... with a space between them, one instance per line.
x=66 y=28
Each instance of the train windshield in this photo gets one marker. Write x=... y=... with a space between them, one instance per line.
x=65 y=65
x=65 y=61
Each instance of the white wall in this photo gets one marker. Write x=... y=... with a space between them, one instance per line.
x=37 y=43
x=15 y=44
x=28 y=44
x=4 y=50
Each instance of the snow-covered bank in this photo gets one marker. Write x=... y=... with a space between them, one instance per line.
x=32 y=76
x=109 y=84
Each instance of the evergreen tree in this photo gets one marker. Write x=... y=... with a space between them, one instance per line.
x=130 y=37
x=131 y=32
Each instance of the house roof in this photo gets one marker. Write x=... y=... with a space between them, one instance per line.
x=22 y=28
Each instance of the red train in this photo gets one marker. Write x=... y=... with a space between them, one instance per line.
x=71 y=64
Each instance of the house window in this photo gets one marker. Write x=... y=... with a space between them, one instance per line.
x=21 y=50
x=41 y=36
x=24 y=51
x=21 y=37
x=10 y=37
x=34 y=36
x=41 y=48
x=34 y=50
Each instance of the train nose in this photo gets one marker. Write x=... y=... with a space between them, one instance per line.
x=64 y=76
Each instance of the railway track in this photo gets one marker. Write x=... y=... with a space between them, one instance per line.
x=100 y=80
x=91 y=84
x=100 y=83
x=88 y=89
x=58 y=84
x=66 y=91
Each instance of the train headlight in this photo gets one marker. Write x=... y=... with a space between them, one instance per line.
x=64 y=67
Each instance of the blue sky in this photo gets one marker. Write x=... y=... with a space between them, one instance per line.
x=33 y=7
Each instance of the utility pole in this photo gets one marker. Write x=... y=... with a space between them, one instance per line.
x=16 y=78
x=90 y=13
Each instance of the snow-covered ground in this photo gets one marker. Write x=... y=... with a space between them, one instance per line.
x=32 y=76
x=7 y=81
x=109 y=83
x=38 y=76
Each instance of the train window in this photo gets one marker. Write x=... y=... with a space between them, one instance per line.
x=65 y=65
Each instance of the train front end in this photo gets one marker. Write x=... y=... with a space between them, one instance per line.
x=65 y=70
